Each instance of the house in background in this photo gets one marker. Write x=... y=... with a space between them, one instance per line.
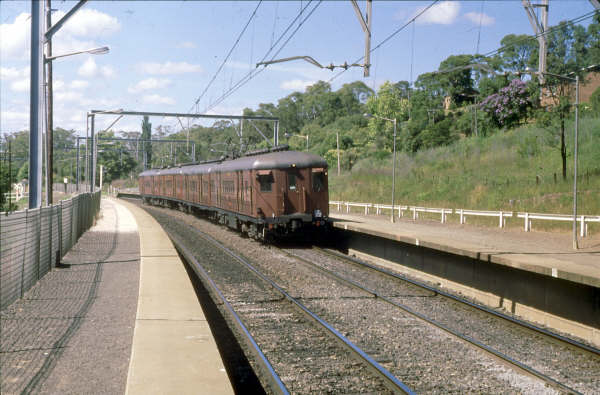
x=587 y=86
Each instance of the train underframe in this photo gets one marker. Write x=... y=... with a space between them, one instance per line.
x=264 y=229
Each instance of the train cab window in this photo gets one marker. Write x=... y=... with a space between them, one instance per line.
x=318 y=181
x=266 y=181
x=292 y=181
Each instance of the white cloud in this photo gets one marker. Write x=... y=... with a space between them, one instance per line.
x=21 y=85
x=475 y=17
x=77 y=33
x=158 y=99
x=186 y=44
x=57 y=85
x=9 y=73
x=169 y=68
x=226 y=110
x=79 y=84
x=19 y=32
x=90 y=69
x=443 y=13
x=107 y=71
x=14 y=116
x=88 y=23
x=147 y=84
x=296 y=85
x=69 y=96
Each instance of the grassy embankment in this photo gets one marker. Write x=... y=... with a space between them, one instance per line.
x=516 y=170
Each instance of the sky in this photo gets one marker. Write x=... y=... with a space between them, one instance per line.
x=164 y=54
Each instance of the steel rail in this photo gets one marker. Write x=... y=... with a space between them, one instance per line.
x=390 y=381
x=494 y=353
x=274 y=379
x=526 y=325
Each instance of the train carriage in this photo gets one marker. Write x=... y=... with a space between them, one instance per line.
x=262 y=194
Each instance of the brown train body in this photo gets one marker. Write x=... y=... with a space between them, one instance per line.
x=274 y=193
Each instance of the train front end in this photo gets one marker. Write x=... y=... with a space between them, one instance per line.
x=293 y=189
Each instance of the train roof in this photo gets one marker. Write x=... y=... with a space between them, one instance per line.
x=268 y=161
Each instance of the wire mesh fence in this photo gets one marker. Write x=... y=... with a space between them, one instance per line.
x=33 y=241
x=70 y=188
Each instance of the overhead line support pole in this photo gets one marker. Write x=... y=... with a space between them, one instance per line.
x=52 y=30
x=50 y=106
x=366 y=26
x=540 y=29
x=36 y=107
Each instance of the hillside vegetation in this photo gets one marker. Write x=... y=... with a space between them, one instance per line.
x=516 y=170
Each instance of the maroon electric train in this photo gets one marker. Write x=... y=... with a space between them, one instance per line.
x=263 y=194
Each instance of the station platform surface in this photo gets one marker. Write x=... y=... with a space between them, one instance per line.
x=118 y=316
x=546 y=253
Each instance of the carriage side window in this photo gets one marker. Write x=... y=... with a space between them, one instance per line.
x=292 y=181
x=318 y=181
x=266 y=182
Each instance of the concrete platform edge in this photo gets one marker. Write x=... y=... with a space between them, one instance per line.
x=479 y=255
x=173 y=349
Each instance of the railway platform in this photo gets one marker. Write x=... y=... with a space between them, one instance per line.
x=546 y=253
x=535 y=275
x=119 y=315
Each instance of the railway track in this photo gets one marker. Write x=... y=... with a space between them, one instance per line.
x=390 y=324
x=525 y=338
x=290 y=344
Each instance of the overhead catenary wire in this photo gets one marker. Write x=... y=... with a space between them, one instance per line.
x=227 y=57
x=580 y=18
x=253 y=73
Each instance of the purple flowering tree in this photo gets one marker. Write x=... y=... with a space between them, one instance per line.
x=507 y=107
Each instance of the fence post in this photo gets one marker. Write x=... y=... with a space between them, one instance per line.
x=583 y=232
x=501 y=219
x=526 y=222
x=73 y=236
x=24 y=250
x=414 y=210
x=443 y=216
x=338 y=207
x=347 y=208
x=60 y=233
x=38 y=237
x=462 y=217
x=50 y=237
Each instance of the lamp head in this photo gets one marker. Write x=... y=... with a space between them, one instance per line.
x=99 y=51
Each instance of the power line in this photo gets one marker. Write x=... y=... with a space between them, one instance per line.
x=389 y=37
x=227 y=57
x=253 y=73
x=545 y=33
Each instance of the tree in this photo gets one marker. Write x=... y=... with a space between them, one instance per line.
x=457 y=84
x=115 y=158
x=566 y=55
x=147 y=135
x=520 y=52
x=509 y=106
x=387 y=104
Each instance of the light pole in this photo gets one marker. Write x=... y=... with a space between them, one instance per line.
x=394 y=166
x=50 y=104
x=288 y=135
x=575 y=137
x=575 y=142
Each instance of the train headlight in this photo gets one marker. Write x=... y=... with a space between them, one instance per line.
x=318 y=214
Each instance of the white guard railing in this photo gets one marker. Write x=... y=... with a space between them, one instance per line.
x=500 y=214
x=583 y=220
x=442 y=211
